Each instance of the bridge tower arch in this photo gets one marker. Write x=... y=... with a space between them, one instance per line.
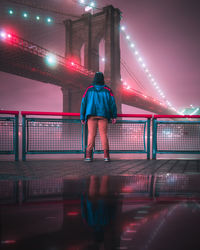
x=89 y=30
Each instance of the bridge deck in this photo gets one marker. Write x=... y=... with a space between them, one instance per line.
x=67 y=168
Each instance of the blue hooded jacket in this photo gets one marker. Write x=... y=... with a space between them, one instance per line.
x=98 y=100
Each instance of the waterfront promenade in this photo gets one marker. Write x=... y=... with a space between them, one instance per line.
x=77 y=167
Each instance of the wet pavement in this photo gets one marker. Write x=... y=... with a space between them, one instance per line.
x=138 y=211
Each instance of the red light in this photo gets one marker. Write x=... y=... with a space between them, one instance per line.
x=8 y=242
x=72 y=213
x=127 y=189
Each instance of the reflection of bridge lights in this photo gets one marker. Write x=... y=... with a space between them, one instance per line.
x=51 y=60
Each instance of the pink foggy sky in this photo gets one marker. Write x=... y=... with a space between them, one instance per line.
x=166 y=33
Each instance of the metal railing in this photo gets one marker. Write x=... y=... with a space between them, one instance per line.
x=61 y=135
x=176 y=136
x=9 y=121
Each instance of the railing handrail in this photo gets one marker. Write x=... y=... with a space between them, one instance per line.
x=176 y=116
x=9 y=112
x=78 y=114
x=49 y=113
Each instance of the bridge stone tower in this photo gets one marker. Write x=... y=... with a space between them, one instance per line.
x=87 y=32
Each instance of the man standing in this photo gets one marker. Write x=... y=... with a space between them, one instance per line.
x=97 y=108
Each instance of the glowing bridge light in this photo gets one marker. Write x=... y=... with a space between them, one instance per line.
x=88 y=8
x=127 y=37
x=123 y=28
x=128 y=87
x=103 y=59
x=132 y=45
x=140 y=59
x=51 y=60
x=143 y=65
x=11 y=12
x=3 y=34
x=37 y=18
x=124 y=83
x=25 y=14
x=82 y=1
x=92 y=4
x=136 y=53
x=49 y=20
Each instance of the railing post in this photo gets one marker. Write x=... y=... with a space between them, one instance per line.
x=154 y=138
x=23 y=137
x=16 y=137
x=148 y=138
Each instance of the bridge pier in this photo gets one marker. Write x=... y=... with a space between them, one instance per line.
x=87 y=32
x=72 y=99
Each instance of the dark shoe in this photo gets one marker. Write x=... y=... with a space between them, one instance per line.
x=88 y=155
x=106 y=155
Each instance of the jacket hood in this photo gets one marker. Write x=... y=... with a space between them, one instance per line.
x=98 y=79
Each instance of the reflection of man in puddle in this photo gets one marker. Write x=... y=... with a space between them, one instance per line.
x=98 y=211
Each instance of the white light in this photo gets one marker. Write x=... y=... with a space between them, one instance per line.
x=49 y=20
x=136 y=52
x=82 y=1
x=143 y=65
x=128 y=87
x=154 y=83
x=92 y=4
x=9 y=35
x=147 y=70
x=51 y=60
x=127 y=37
x=132 y=45
x=149 y=75
x=123 y=28
x=88 y=8
x=125 y=83
x=103 y=59
x=3 y=34
x=140 y=59
x=194 y=112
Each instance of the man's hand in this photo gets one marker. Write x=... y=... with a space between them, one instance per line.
x=82 y=122
x=113 y=120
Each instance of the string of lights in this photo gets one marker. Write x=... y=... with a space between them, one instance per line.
x=28 y=15
x=143 y=65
